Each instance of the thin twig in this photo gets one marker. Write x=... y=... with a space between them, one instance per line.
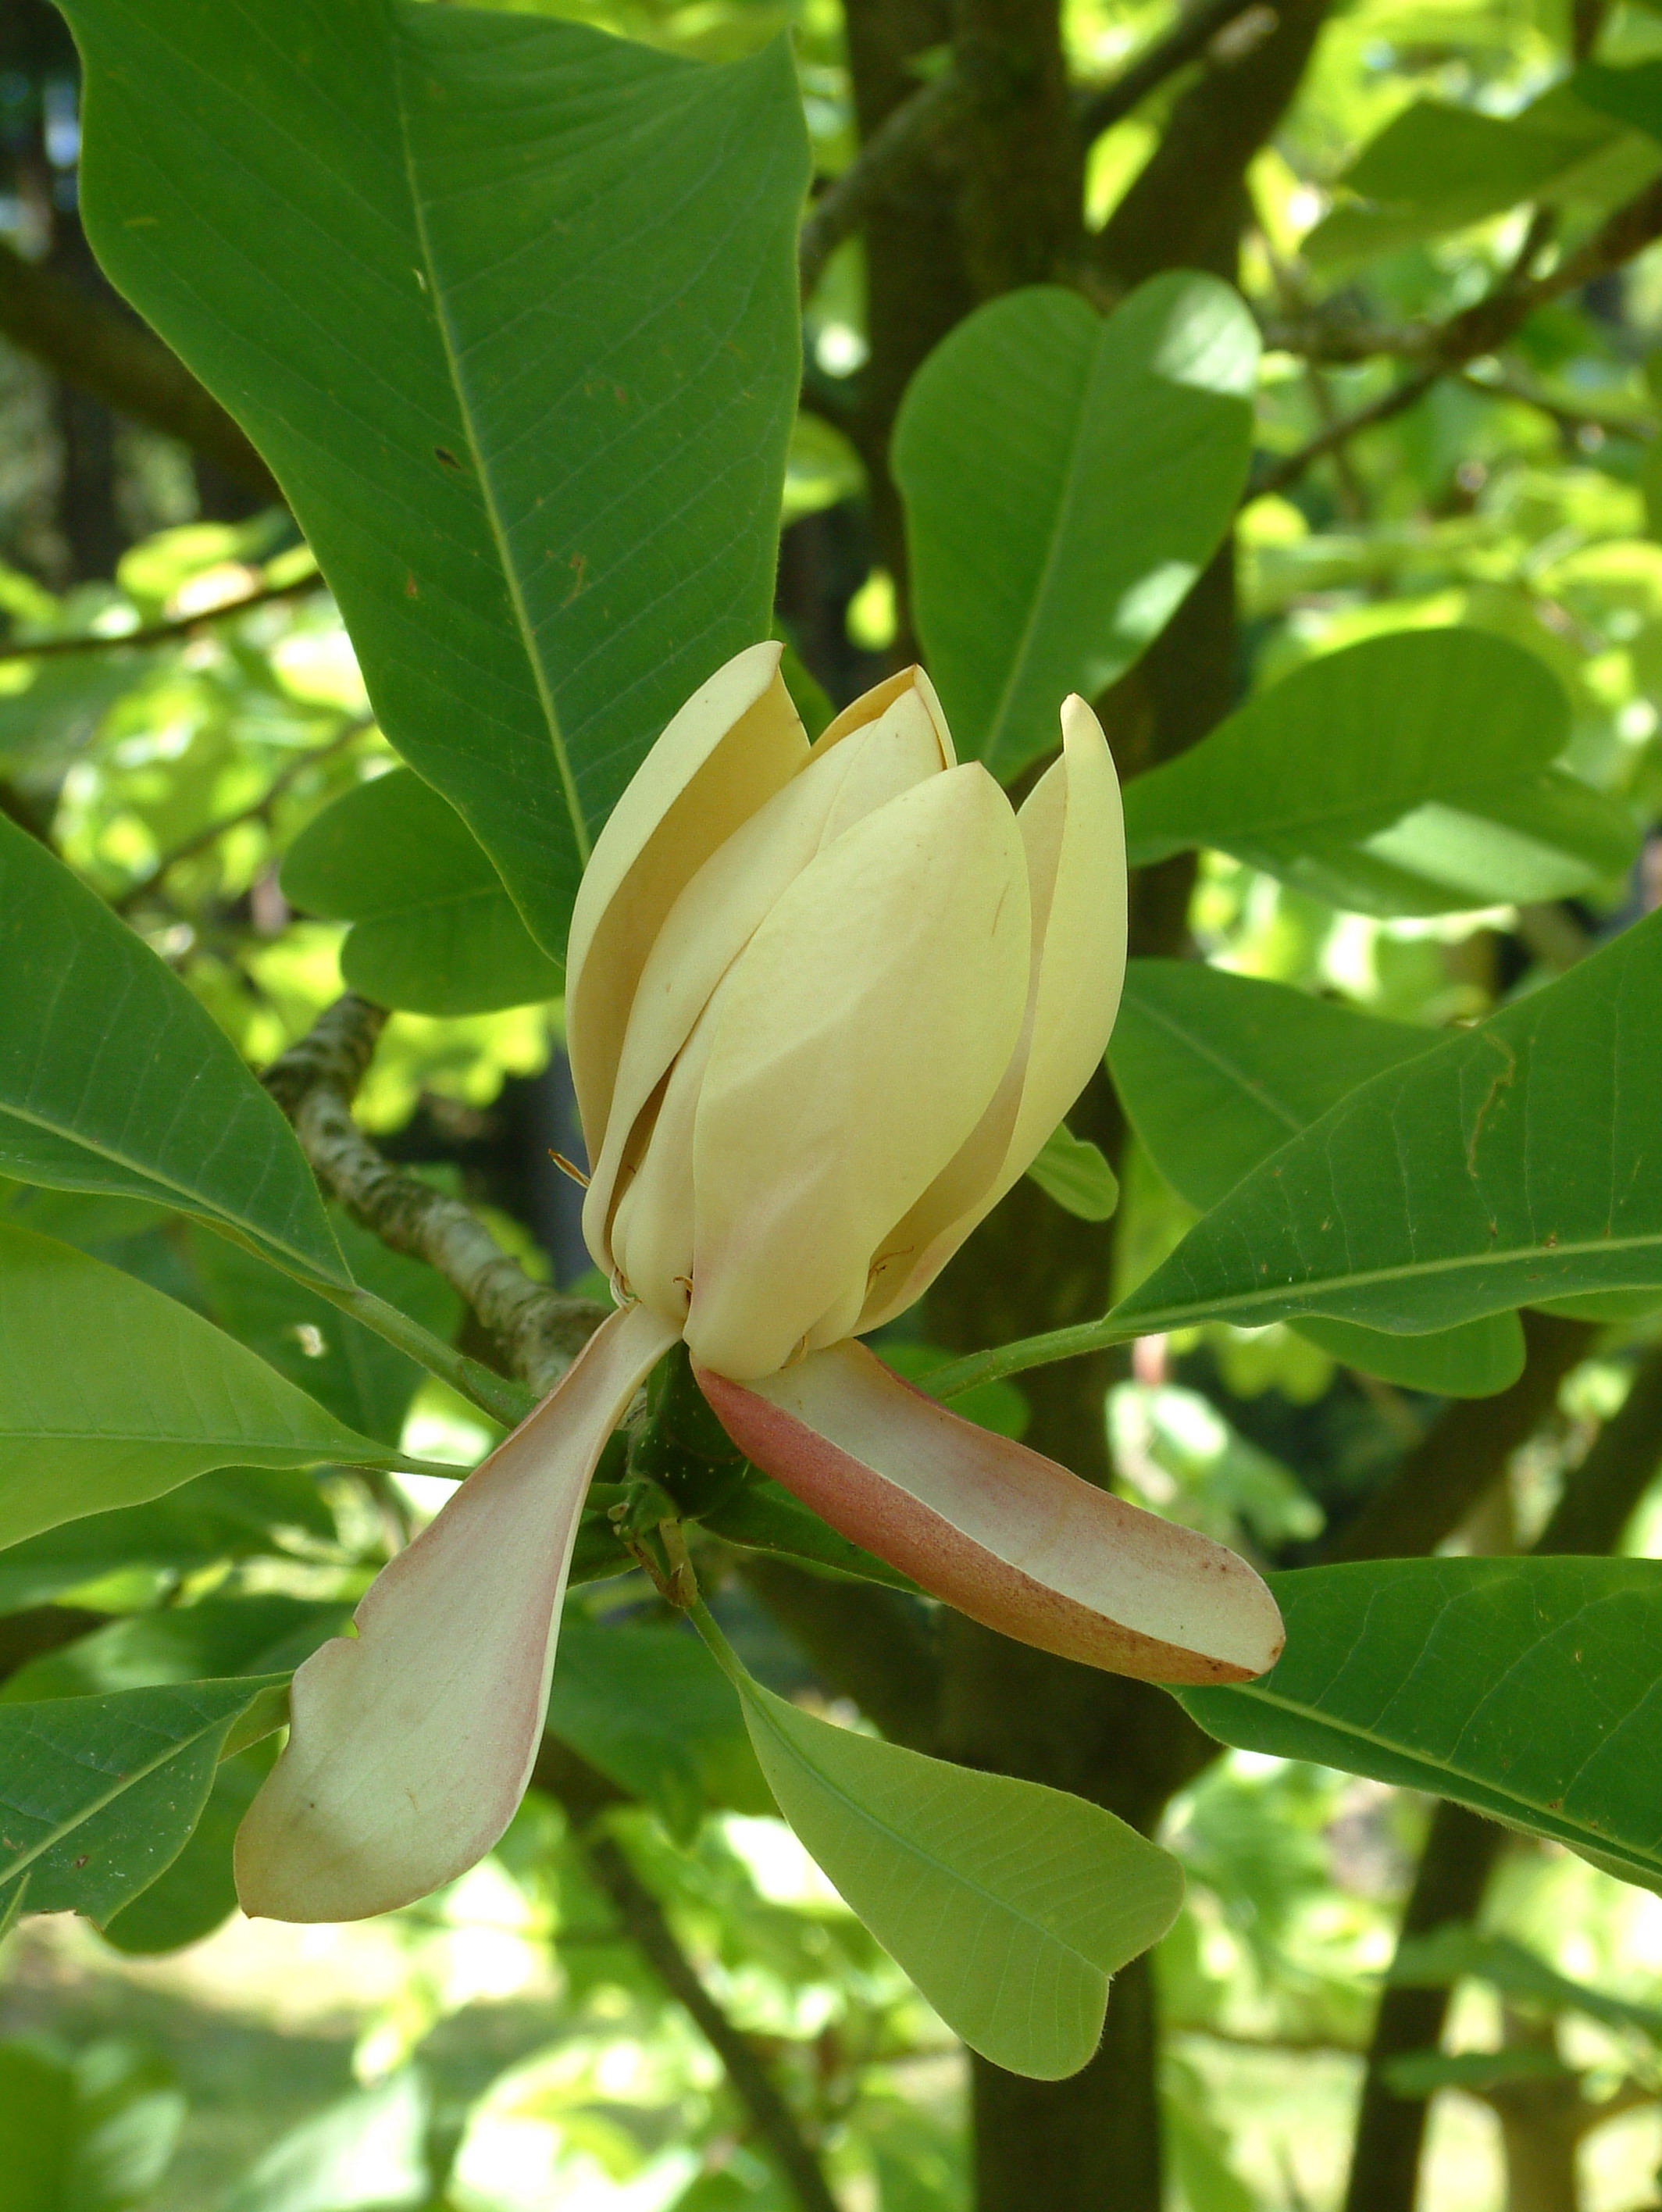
x=163 y=633
x=315 y=1082
x=1291 y=467
x=113 y=355
x=1099 y=108
x=256 y=810
x=903 y=138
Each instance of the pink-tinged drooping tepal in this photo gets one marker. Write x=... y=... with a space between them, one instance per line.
x=824 y=1005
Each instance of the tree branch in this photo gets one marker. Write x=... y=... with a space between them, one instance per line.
x=1186 y=206
x=315 y=1082
x=1337 y=434
x=585 y=1795
x=1099 y=107
x=210 y=834
x=1465 y=1449
x=1601 y=1496
x=124 y=365
x=908 y=135
x=162 y=632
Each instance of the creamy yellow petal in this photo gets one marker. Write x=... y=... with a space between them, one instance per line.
x=720 y=910
x=866 y=710
x=1073 y=832
x=864 y=1030
x=736 y=742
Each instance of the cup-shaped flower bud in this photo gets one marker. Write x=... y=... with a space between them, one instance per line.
x=866 y=1007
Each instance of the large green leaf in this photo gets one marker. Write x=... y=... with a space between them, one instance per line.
x=111 y=1393
x=1515 y=1162
x=434 y=929
x=1530 y=1689
x=114 y=1078
x=1065 y=480
x=510 y=307
x=1409 y=773
x=1218 y=1072
x=362 y=1379
x=1008 y=1903
x=192 y=1897
x=99 y=1795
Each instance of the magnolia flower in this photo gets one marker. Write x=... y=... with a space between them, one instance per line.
x=824 y=1005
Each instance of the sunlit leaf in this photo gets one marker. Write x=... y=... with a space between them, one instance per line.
x=1343 y=780
x=1009 y=1904
x=1514 y=1162
x=1066 y=478
x=434 y=929
x=110 y=1394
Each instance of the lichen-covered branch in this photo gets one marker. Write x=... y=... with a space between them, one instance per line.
x=314 y=1082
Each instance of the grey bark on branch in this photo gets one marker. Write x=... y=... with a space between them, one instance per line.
x=315 y=1082
x=124 y=365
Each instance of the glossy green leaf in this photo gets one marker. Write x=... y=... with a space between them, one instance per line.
x=651 y=1709
x=198 y=1892
x=1345 y=780
x=1525 y=1688
x=92 y=2133
x=1066 y=478
x=434 y=929
x=235 y=1513
x=110 y=1394
x=1008 y=1903
x=1074 y=1172
x=510 y=307
x=1436 y=167
x=362 y=1379
x=1217 y=1072
x=99 y=1795
x=1514 y=1162
x=113 y=1079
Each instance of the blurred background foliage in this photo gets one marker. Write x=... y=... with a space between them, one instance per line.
x=509 y=2043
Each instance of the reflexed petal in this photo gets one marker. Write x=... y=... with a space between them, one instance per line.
x=736 y=742
x=411 y=1743
x=1011 y=1539
x=862 y=1032
x=721 y=909
x=1074 y=834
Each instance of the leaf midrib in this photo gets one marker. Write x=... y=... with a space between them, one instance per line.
x=1539 y=1814
x=440 y=297
x=130 y=1779
x=864 y=1813
x=193 y=1202
x=1412 y=1271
